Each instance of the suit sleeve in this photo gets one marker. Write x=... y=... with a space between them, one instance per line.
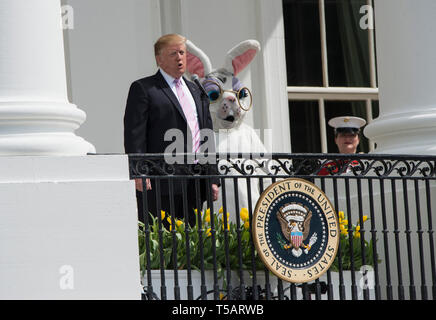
x=135 y=120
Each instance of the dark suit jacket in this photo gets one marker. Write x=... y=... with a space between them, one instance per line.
x=152 y=109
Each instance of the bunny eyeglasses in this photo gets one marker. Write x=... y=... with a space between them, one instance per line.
x=215 y=91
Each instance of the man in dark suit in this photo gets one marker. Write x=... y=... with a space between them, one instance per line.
x=159 y=103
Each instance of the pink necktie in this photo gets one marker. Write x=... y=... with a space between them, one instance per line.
x=189 y=115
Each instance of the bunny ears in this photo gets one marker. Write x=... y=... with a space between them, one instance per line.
x=241 y=55
x=197 y=62
x=236 y=59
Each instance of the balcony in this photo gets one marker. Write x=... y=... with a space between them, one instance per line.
x=383 y=205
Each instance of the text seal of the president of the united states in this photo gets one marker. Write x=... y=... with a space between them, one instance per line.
x=295 y=230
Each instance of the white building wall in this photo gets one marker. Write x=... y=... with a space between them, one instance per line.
x=111 y=45
x=67 y=225
x=406 y=68
x=68 y=221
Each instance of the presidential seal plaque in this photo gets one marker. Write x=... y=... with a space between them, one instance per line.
x=295 y=230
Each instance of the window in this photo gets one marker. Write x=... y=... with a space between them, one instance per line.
x=331 y=69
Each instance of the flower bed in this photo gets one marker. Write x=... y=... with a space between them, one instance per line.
x=220 y=231
x=351 y=246
x=225 y=234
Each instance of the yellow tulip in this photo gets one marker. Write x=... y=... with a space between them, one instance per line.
x=357 y=234
x=208 y=233
x=221 y=210
x=228 y=226
x=357 y=228
x=343 y=230
x=364 y=218
x=246 y=225
x=162 y=214
x=344 y=222
x=207 y=215
x=169 y=220
x=179 y=222
x=341 y=215
x=244 y=214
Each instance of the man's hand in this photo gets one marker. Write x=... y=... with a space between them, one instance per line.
x=139 y=186
x=215 y=192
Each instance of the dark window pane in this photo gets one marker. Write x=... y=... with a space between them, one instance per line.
x=375 y=109
x=347 y=44
x=305 y=133
x=344 y=108
x=302 y=41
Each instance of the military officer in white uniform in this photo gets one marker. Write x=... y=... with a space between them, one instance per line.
x=347 y=139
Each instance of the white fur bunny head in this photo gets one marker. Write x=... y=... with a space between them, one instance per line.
x=229 y=99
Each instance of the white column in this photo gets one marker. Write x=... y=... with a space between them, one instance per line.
x=272 y=109
x=407 y=77
x=35 y=115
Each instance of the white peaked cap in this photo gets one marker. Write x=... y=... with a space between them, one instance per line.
x=347 y=122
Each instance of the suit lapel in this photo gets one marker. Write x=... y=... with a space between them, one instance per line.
x=170 y=94
x=196 y=94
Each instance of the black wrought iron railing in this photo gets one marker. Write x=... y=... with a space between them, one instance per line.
x=383 y=202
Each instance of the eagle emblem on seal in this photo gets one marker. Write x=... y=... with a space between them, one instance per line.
x=294 y=219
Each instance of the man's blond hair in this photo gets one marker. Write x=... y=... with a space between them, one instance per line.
x=166 y=40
